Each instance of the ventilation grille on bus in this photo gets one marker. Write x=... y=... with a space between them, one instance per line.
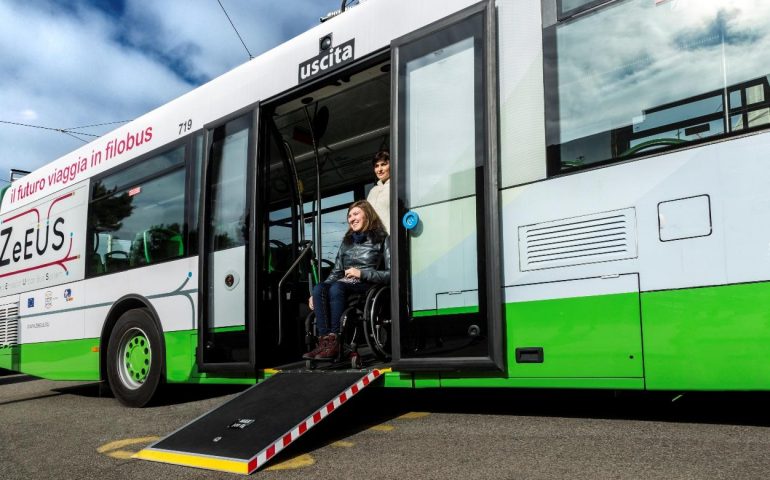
x=9 y=325
x=593 y=238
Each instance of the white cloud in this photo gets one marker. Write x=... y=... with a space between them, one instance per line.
x=28 y=114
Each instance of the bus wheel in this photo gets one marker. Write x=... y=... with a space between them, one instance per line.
x=135 y=358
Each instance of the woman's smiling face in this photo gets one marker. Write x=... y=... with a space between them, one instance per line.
x=356 y=219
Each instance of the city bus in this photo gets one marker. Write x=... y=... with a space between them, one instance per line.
x=577 y=201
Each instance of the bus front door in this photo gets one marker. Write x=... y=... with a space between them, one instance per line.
x=226 y=321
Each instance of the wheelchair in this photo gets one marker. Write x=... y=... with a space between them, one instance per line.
x=366 y=319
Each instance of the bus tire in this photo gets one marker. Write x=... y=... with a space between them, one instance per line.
x=135 y=358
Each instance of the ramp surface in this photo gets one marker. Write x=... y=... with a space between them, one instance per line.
x=246 y=432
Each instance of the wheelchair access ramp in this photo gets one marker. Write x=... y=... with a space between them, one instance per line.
x=248 y=431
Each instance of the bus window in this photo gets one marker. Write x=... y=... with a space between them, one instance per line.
x=136 y=220
x=228 y=185
x=333 y=223
x=638 y=76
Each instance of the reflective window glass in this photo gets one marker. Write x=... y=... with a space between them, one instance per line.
x=638 y=76
x=227 y=180
x=138 y=226
x=147 y=168
x=440 y=138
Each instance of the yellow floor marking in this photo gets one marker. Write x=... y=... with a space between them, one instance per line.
x=343 y=444
x=382 y=428
x=115 y=449
x=414 y=415
x=121 y=454
x=294 y=463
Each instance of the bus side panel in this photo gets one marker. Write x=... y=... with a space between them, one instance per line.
x=180 y=355
x=593 y=331
x=63 y=360
x=171 y=289
x=9 y=358
x=714 y=338
x=703 y=296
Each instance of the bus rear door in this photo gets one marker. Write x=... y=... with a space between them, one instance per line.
x=445 y=243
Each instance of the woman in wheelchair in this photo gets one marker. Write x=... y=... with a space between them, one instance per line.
x=363 y=252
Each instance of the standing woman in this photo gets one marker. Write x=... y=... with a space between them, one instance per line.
x=363 y=259
x=379 y=195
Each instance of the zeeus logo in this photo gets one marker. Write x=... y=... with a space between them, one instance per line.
x=30 y=246
x=327 y=60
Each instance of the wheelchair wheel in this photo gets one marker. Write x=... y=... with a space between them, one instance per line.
x=377 y=322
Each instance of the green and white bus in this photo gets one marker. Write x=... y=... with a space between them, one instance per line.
x=584 y=184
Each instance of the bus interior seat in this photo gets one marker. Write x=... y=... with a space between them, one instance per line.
x=97 y=265
x=116 y=261
x=281 y=256
x=155 y=244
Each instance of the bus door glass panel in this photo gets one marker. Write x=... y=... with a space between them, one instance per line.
x=225 y=331
x=442 y=168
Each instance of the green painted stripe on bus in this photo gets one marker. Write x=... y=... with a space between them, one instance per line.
x=180 y=355
x=445 y=311
x=586 y=383
x=63 y=360
x=708 y=338
x=9 y=358
x=234 y=328
x=181 y=364
x=584 y=337
x=398 y=380
x=714 y=338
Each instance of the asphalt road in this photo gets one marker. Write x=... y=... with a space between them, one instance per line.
x=53 y=430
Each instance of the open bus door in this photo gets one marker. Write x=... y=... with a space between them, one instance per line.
x=226 y=320
x=446 y=228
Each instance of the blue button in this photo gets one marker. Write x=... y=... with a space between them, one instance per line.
x=410 y=220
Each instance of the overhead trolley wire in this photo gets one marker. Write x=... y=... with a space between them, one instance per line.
x=236 y=30
x=97 y=125
x=67 y=131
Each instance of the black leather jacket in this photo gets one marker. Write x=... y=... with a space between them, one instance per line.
x=372 y=257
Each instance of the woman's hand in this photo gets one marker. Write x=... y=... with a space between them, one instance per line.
x=353 y=273
x=310 y=303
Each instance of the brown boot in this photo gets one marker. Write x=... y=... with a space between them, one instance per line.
x=321 y=345
x=331 y=350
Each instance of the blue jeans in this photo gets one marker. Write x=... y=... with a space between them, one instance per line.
x=329 y=301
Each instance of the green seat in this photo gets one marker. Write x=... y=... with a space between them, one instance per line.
x=154 y=245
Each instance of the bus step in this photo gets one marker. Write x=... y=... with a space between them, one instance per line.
x=248 y=431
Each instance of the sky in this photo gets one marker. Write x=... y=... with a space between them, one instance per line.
x=72 y=64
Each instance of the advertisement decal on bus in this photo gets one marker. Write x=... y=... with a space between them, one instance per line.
x=39 y=245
